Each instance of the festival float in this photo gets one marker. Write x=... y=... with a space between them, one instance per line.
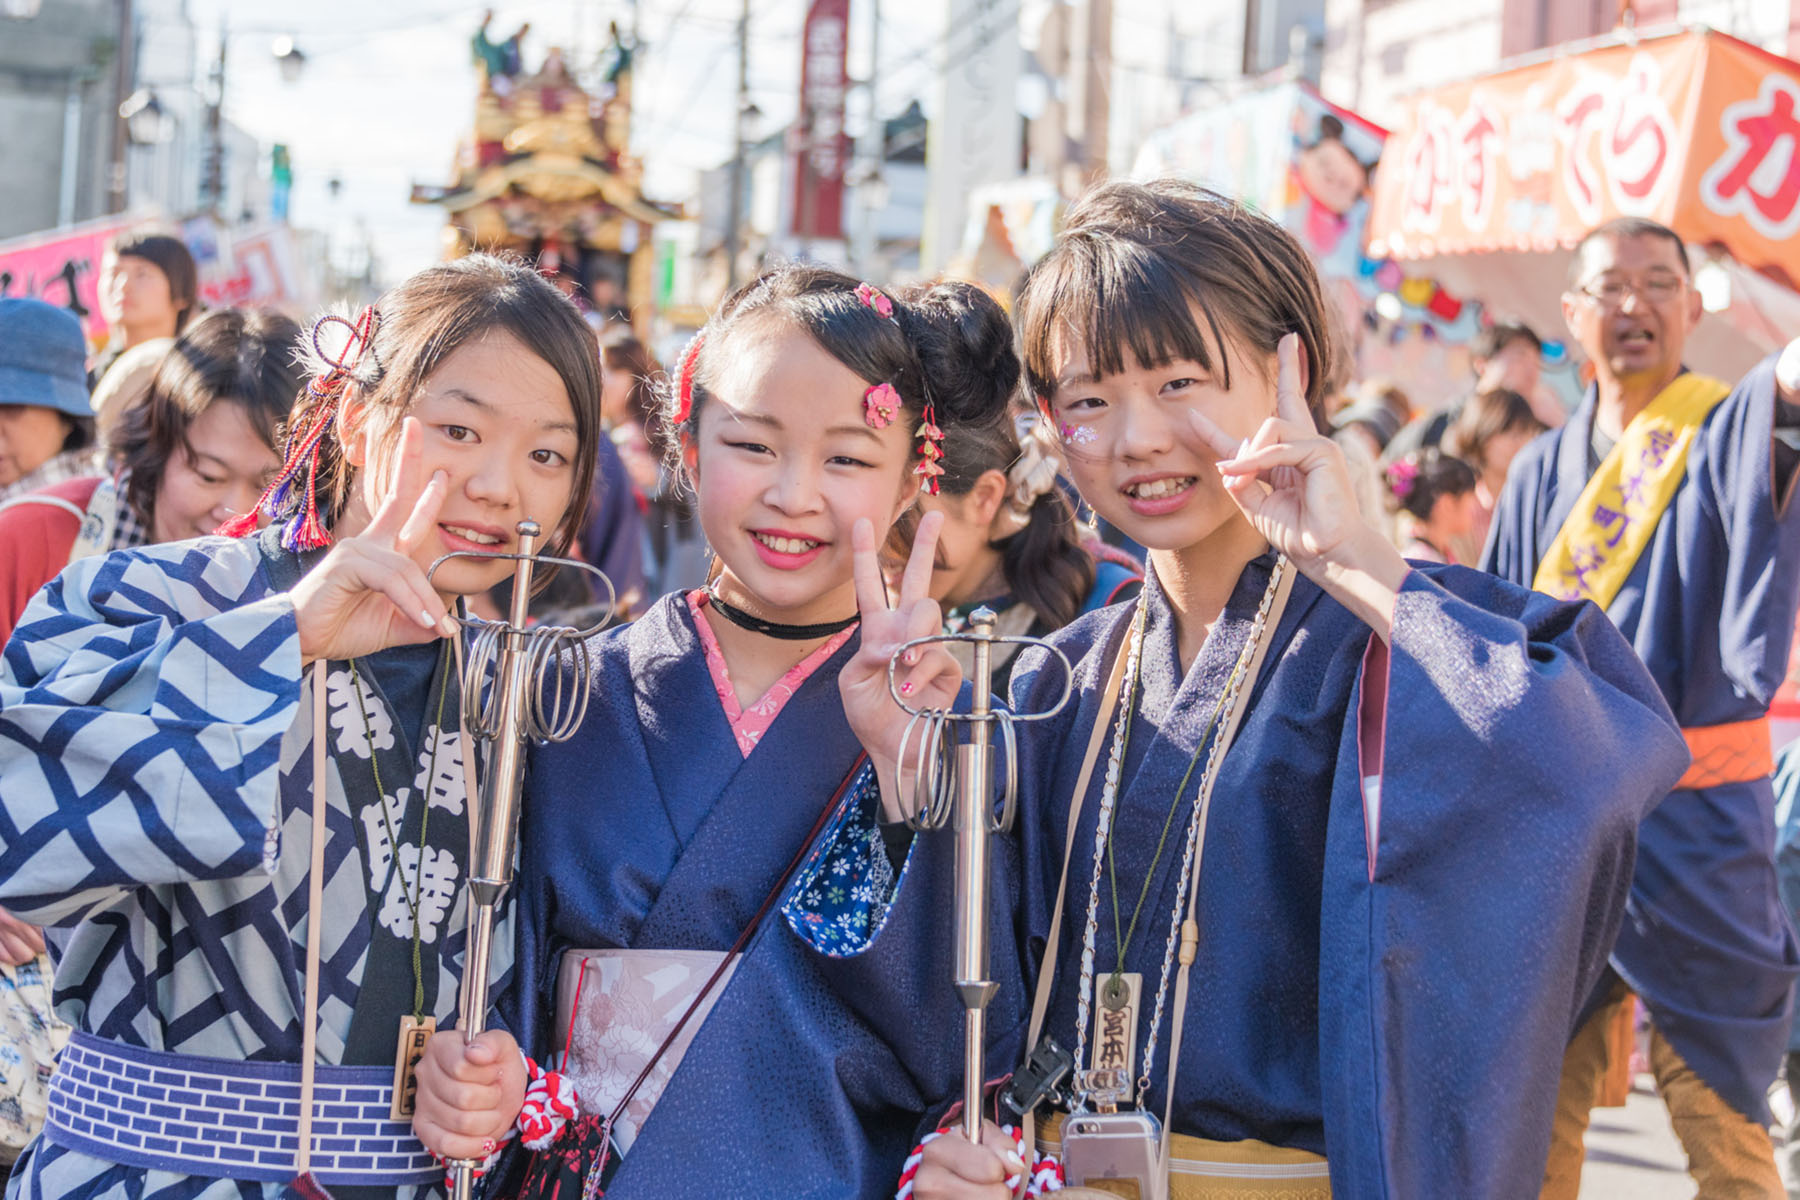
x=547 y=173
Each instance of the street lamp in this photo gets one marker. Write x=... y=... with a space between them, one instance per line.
x=290 y=57
x=146 y=121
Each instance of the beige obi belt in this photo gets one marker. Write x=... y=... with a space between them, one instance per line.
x=614 y=1008
x=1202 y=1169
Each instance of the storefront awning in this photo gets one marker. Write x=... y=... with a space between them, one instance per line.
x=1698 y=130
x=1488 y=184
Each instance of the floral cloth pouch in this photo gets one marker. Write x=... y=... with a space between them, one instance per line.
x=30 y=1039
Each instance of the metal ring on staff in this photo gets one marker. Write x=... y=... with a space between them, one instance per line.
x=1068 y=673
x=557 y=700
x=933 y=754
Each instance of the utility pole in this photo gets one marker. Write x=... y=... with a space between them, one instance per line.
x=212 y=182
x=735 y=208
x=123 y=68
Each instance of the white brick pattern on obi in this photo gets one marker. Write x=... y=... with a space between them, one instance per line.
x=229 y=1119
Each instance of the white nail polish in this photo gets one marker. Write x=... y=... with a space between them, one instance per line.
x=425 y=619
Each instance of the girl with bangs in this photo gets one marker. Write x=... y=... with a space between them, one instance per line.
x=664 y=990
x=194 y=735
x=1321 y=861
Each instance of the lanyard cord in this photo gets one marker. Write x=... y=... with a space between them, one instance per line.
x=413 y=894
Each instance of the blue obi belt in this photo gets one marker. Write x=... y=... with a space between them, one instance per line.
x=229 y=1120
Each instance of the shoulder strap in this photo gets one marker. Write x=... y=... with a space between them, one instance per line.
x=737 y=947
x=315 y=908
x=99 y=523
x=1040 y=1003
x=1190 y=928
x=73 y=510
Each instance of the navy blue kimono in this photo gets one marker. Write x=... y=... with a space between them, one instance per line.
x=1416 y=861
x=1709 y=606
x=651 y=830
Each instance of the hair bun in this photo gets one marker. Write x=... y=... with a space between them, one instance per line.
x=965 y=345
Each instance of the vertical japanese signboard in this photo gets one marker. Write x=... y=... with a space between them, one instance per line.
x=821 y=148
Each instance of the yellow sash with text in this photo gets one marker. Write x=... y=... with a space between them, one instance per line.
x=1617 y=513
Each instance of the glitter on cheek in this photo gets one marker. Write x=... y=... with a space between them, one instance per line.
x=1080 y=435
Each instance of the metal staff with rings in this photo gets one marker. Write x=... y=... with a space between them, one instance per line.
x=515 y=690
x=953 y=789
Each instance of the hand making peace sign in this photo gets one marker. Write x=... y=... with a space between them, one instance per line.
x=368 y=593
x=1293 y=483
x=1290 y=480
x=929 y=677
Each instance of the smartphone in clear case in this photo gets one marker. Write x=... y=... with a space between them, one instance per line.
x=1115 y=1153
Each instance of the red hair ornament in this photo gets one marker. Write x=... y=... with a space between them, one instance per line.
x=684 y=379
x=931 y=449
x=305 y=530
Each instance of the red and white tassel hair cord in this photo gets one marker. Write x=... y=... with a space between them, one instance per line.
x=304 y=530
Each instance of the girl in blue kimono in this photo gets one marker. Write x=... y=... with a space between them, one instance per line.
x=158 y=715
x=1342 y=953
x=654 y=844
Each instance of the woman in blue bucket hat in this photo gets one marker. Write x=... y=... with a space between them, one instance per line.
x=46 y=423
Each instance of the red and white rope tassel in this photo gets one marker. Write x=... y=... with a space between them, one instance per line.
x=551 y=1102
x=1046 y=1171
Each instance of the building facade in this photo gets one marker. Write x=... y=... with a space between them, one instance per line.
x=59 y=89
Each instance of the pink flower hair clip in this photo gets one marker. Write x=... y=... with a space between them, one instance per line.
x=875 y=299
x=1401 y=477
x=881 y=404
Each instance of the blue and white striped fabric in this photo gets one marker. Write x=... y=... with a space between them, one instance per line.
x=155 y=790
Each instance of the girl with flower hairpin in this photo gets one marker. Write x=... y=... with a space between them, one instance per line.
x=652 y=974
x=162 y=711
x=1433 y=494
x=1317 y=822
x=1010 y=540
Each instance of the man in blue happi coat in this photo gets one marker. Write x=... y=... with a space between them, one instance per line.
x=1666 y=500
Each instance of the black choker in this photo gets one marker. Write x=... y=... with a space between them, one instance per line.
x=787 y=633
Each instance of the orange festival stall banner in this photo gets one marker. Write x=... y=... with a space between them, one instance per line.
x=1699 y=130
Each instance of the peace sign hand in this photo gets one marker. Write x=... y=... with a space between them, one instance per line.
x=929 y=677
x=1289 y=479
x=368 y=593
x=1293 y=483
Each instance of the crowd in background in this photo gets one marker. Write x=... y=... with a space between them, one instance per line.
x=1428 y=468
x=175 y=426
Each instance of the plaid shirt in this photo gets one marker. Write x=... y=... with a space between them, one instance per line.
x=70 y=464
x=128 y=529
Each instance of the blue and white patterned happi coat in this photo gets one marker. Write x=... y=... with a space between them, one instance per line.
x=155 y=738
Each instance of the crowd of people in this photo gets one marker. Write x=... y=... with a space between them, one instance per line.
x=1423 y=740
